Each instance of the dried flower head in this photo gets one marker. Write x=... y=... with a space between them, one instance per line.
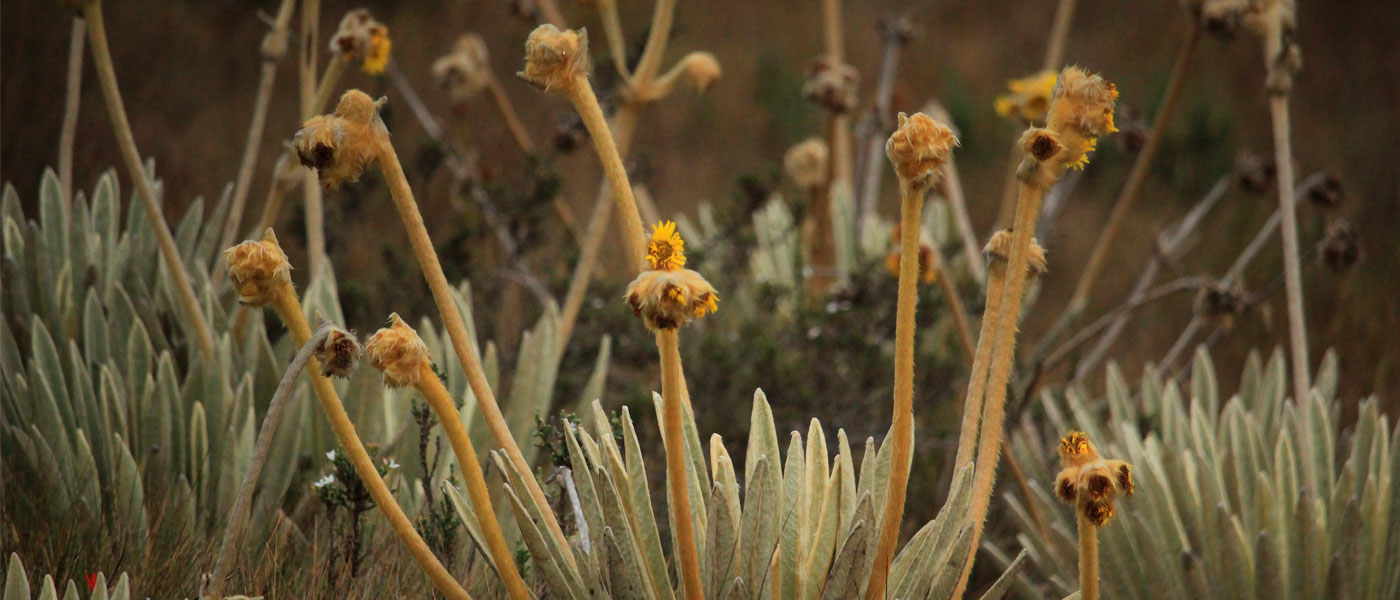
x=1090 y=482
x=258 y=269
x=1255 y=173
x=832 y=85
x=667 y=295
x=926 y=272
x=1080 y=110
x=1275 y=23
x=1342 y=247
x=398 y=352
x=1328 y=193
x=806 y=163
x=554 y=57
x=340 y=145
x=918 y=148
x=465 y=71
x=339 y=354
x=998 y=251
x=363 y=39
x=1029 y=97
x=1220 y=303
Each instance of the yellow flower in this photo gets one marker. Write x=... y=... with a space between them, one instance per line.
x=1029 y=98
x=377 y=57
x=666 y=249
x=1090 y=482
x=398 y=352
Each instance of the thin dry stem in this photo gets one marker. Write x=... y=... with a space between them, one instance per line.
x=457 y=330
x=902 y=422
x=677 y=494
x=1059 y=32
x=612 y=29
x=955 y=304
x=72 y=100
x=1292 y=273
x=102 y=61
x=508 y=114
x=1088 y=558
x=239 y=513
x=953 y=191
x=550 y=12
x=1003 y=354
x=288 y=307
x=441 y=402
x=822 y=245
x=273 y=48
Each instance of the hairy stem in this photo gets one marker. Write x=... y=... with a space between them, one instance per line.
x=456 y=329
x=1292 y=273
x=902 y=422
x=288 y=307
x=274 y=46
x=239 y=514
x=981 y=364
x=441 y=402
x=1003 y=353
x=677 y=494
x=580 y=94
x=170 y=254
x=1088 y=559
x=71 y=102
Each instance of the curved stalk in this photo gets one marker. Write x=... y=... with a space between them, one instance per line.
x=452 y=319
x=580 y=94
x=433 y=391
x=170 y=255
x=288 y=307
x=677 y=493
x=68 y=134
x=902 y=421
x=239 y=514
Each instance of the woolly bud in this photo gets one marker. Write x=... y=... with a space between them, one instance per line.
x=258 y=269
x=670 y=299
x=339 y=146
x=1220 y=303
x=1083 y=102
x=398 y=352
x=1342 y=247
x=1255 y=173
x=466 y=70
x=339 y=354
x=806 y=163
x=701 y=70
x=831 y=84
x=362 y=38
x=553 y=58
x=998 y=251
x=918 y=148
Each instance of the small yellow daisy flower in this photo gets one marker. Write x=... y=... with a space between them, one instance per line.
x=666 y=249
x=667 y=295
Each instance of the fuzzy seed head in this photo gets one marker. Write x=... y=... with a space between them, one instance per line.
x=832 y=85
x=1089 y=482
x=339 y=354
x=670 y=299
x=398 y=352
x=258 y=269
x=341 y=145
x=363 y=39
x=806 y=163
x=554 y=58
x=1029 y=97
x=918 y=148
x=465 y=71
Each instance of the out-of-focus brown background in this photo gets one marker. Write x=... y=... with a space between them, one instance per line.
x=188 y=71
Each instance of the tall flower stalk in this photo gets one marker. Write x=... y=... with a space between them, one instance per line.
x=917 y=150
x=1080 y=110
x=126 y=142
x=403 y=357
x=262 y=277
x=1091 y=484
x=340 y=146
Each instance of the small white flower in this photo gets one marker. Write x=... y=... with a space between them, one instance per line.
x=325 y=481
x=391 y=465
x=330 y=455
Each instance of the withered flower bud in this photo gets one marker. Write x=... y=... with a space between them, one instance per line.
x=1342 y=248
x=1255 y=173
x=554 y=58
x=466 y=71
x=1328 y=193
x=832 y=85
x=398 y=352
x=258 y=269
x=806 y=163
x=339 y=353
x=1090 y=482
x=998 y=251
x=702 y=70
x=919 y=148
x=361 y=38
x=340 y=145
x=1220 y=303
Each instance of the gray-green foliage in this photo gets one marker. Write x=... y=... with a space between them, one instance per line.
x=1251 y=497
x=805 y=525
x=105 y=400
x=17 y=586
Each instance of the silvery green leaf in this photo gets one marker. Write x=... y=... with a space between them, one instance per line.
x=16 y=581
